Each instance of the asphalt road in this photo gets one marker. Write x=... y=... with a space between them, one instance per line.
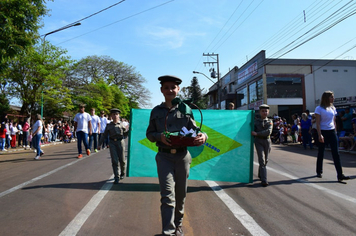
x=63 y=195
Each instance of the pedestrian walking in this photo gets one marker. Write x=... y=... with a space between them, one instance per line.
x=82 y=126
x=173 y=162
x=103 y=123
x=326 y=127
x=116 y=131
x=262 y=133
x=37 y=135
x=95 y=123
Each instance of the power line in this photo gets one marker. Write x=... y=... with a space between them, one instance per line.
x=128 y=17
x=330 y=17
x=198 y=63
x=226 y=24
x=218 y=46
x=91 y=15
x=342 y=18
x=270 y=60
x=283 y=31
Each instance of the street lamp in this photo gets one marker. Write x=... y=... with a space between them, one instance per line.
x=43 y=52
x=197 y=72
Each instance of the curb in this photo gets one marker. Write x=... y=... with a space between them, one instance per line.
x=31 y=149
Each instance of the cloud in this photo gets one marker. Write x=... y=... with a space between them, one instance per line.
x=165 y=37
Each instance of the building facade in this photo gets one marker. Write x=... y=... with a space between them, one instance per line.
x=288 y=85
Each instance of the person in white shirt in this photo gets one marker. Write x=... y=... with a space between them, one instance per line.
x=103 y=124
x=326 y=127
x=20 y=134
x=95 y=123
x=126 y=125
x=82 y=126
x=14 y=132
x=37 y=135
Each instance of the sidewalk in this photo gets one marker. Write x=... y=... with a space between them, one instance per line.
x=18 y=149
x=316 y=148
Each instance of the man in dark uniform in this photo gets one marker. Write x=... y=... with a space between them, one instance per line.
x=115 y=130
x=262 y=133
x=173 y=162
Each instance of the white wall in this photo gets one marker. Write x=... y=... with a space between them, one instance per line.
x=342 y=83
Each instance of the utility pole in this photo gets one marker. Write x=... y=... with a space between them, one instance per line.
x=213 y=74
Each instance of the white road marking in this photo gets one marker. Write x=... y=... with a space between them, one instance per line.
x=37 y=178
x=246 y=220
x=329 y=191
x=74 y=226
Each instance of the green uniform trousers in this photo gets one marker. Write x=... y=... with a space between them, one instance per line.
x=263 y=148
x=117 y=153
x=173 y=172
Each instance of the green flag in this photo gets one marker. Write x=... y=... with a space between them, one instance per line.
x=227 y=155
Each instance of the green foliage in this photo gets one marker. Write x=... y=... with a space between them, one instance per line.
x=19 y=20
x=102 y=97
x=93 y=69
x=4 y=104
x=40 y=70
x=195 y=93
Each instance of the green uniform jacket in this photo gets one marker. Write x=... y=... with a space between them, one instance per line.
x=263 y=128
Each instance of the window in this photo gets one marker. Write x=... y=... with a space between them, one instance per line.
x=335 y=70
x=230 y=87
x=345 y=70
x=244 y=99
x=256 y=91
x=325 y=70
x=284 y=87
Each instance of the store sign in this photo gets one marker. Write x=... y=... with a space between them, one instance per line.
x=247 y=73
x=255 y=105
x=345 y=101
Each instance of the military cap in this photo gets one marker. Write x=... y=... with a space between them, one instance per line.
x=171 y=78
x=115 y=110
x=264 y=106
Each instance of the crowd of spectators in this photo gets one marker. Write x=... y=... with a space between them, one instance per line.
x=18 y=134
x=302 y=129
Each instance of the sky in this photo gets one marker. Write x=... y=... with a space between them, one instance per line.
x=169 y=37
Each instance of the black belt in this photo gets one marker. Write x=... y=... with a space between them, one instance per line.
x=172 y=150
x=116 y=139
x=263 y=137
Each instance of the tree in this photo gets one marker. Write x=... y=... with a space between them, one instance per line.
x=4 y=105
x=19 y=22
x=195 y=93
x=93 y=69
x=102 y=97
x=40 y=69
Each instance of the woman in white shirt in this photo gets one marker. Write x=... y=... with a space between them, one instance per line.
x=326 y=127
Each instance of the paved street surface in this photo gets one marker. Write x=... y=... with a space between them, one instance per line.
x=63 y=195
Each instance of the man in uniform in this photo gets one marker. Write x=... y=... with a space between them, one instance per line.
x=262 y=132
x=231 y=106
x=173 y=162
x=115 y=130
